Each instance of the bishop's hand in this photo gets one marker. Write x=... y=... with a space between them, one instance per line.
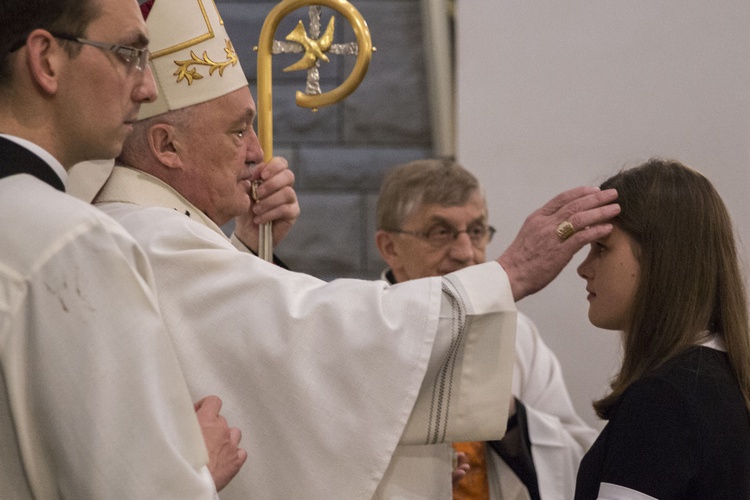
x=277 y=204
x=544 y=246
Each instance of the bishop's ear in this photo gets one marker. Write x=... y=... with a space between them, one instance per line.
x=163 y=141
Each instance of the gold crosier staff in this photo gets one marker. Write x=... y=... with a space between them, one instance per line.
x=265 y=96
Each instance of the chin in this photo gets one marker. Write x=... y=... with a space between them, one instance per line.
x=243 y=205
x=107 y=152
x=237 y=210
x=604 y=324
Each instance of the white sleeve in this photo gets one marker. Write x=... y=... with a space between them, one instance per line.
x=465 y=393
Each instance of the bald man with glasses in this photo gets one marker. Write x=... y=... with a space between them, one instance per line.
x=432 y=220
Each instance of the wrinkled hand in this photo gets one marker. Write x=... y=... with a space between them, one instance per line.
x=537 y=255
x=225 y=457
x=461 y=468
x=278 y=204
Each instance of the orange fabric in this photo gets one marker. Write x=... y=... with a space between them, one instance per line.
x=474 y=485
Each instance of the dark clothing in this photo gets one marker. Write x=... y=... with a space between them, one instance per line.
x=517 y=453
x=16 y=159
x=681 y=432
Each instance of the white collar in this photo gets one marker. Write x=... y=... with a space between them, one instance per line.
x=130 y=185
x=714 y=342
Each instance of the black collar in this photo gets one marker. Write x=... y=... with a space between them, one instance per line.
x=389 y=276
x=16 y=159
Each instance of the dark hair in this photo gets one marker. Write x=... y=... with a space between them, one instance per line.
x=690 y=275
x=410 y=185
x=18 y=18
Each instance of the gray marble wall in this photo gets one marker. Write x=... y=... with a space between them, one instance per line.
x=340 y=153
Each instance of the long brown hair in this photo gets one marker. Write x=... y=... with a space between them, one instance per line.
x=690 y=276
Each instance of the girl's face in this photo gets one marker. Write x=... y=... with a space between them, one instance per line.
x=611 y=271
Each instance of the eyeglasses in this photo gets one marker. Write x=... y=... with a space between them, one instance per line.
x=131 y=56
x=441 y=235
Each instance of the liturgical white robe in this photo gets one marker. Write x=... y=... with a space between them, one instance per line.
x=323 y=379
x=92 y=400
x=558 y=436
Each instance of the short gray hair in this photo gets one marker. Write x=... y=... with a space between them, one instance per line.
x=411 y=185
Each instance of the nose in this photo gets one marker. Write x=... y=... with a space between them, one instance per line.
x=461 y=249
x=584 y=269
x=145 y=89
x=254 y=150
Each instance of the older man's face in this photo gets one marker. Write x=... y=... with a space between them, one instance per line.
x=219 y=149
x=411 y=257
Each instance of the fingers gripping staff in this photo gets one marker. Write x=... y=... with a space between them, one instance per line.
x=314 y=50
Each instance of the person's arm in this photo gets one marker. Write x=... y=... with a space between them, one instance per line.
x=476 y=332
x=239 y=245
x=464 y=395
x=537 y=254
x=100 y=403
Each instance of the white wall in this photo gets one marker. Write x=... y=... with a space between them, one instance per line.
x=557 y=94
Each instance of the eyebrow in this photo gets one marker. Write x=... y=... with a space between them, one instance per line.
x=244 y=120
x=437 y=219
x=136 y=38
x=248 y=117
x=602 y=240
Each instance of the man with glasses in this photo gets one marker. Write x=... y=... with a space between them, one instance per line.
x=323 y=378
x=93 y=403
x=432 y=220
x=132 y=57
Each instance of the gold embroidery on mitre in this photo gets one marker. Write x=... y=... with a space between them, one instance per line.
x=186 y=72
x=194 y=41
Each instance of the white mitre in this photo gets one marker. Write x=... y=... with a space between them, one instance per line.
x=192 y=58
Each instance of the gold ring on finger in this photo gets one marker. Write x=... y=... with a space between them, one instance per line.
x=565 y=230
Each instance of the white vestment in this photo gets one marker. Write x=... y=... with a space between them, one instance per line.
x=559 y=437
x=93 y=404
x=323 y=379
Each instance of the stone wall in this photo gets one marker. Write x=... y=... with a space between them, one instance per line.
x=340 y=153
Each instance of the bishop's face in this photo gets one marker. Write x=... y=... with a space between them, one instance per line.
x=412 y=257
x=219 y=150
x=611 y=271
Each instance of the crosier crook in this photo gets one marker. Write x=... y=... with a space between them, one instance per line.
x=314 y=49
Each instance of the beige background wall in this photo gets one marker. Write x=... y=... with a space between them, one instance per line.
x=557 y=94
